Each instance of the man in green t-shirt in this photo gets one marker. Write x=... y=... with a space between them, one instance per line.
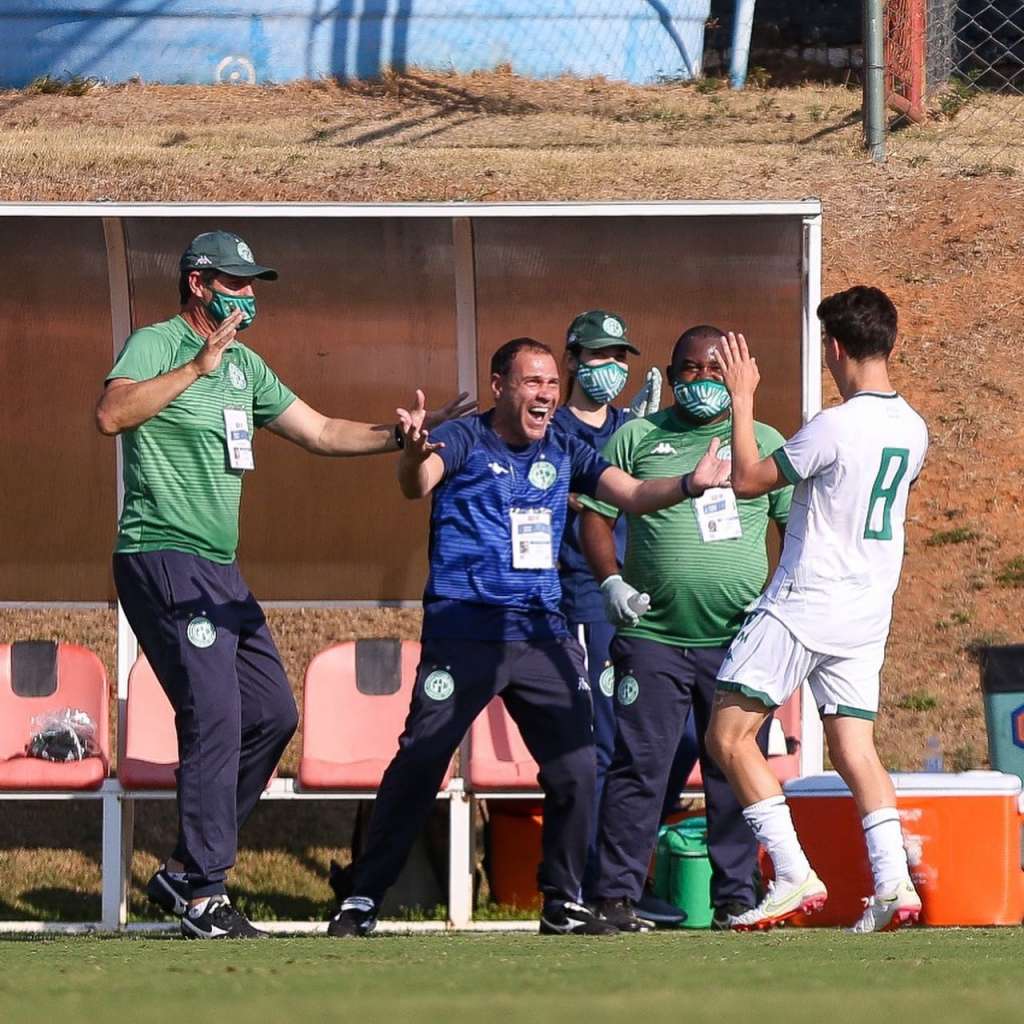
x=186 y=395
x=688 y=575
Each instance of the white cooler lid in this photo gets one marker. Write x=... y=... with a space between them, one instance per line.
x=979 y=783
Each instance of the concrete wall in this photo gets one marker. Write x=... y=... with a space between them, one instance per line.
x=281 y=40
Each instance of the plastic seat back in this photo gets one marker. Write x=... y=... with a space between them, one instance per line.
x=498 y=758
x=150 y=754
x=355 y=702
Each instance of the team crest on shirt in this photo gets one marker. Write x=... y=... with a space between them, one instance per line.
x=542 y=474
x=629 y=690
x=439 y=685
x=201 y=632
x=725 y=453
x=607 y=681
x=237 y=376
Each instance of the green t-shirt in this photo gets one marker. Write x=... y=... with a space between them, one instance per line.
x=698 y=590
x=180 y=493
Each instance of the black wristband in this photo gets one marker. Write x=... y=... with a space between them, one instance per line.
x=684 y=485
x=399 y=437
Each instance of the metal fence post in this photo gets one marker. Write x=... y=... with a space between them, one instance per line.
x=874 y=80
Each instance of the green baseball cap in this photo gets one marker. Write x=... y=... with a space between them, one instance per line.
x=599 y=329
x=221 y=250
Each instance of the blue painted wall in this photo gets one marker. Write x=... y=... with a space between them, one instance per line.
x=202 y=41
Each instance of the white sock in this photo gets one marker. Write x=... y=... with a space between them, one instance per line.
x=772 y=826
x=885 y=849
x=198 y=909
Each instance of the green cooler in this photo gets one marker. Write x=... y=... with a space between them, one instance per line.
x=682 y=870
x=1002 y=683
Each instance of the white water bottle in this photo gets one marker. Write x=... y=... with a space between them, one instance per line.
x=639 y=603
x=933 y=755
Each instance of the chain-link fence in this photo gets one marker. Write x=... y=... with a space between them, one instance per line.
x=955 y=81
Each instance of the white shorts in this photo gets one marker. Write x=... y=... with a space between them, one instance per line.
x=767 y=663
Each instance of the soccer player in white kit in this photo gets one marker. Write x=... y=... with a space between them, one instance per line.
x=825 y=616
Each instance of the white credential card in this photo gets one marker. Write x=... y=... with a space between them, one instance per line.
x=718 y=515
x=238 y=439
x=531 y=539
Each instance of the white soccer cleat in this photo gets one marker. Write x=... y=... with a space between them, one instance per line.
x=782 y=903
x=887 y=913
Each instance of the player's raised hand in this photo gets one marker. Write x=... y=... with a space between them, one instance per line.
x=209 y=356
x=710 y=472
x=739 y=368
x=411 y=423
x=461 y=405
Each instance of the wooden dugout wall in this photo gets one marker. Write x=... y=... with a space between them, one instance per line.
x=372 y=302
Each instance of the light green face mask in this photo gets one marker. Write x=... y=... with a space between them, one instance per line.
x=602 y=383
x=221 y=306
x=702 y=400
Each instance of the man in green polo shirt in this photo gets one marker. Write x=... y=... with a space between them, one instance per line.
x=186 y=396
x=699 y=565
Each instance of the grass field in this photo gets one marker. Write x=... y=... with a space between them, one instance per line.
x=942 y=975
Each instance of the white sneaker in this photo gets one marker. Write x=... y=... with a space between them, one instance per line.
x=889 y=912
x=782 y=903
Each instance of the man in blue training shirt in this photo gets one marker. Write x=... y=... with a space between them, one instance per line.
x=492 y=625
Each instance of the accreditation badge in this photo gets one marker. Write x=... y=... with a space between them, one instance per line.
x=238 y=439
x=532 y=546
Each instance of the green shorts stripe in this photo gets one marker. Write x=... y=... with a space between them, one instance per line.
x=844 y=711
x=758 y=695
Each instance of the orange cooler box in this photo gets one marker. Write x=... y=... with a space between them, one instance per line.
x=963 y=835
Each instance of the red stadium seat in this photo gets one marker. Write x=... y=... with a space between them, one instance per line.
x=150 y=754
x=498 y=758
x=42 y=677
x=355 y=701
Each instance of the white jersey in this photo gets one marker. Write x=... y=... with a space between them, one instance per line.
x=852 y=466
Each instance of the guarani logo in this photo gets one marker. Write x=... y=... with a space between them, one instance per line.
x=607 y=681
x=439 y=685
x=542 y=474
x=201 y=632
x=237 y=376
x=629 y=690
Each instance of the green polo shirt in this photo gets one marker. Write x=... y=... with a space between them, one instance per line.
x=698 y=590
x=179 y=491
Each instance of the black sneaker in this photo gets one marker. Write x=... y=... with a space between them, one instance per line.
x=355 y=918
x=622 y=914
x=563 y=917
x=659 y=912
x=218 y=920
x=171 y=895
x=722 y=920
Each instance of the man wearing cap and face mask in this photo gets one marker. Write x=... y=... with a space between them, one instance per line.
x=597 y=349
x=185 y=395
x=700 y=564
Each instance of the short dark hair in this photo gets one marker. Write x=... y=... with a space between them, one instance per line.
x=862 y=319
x=183 y=289
x=501 y=361
x=702 y=332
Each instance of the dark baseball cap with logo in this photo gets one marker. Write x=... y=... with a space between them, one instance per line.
x=223 y=251
x=599 y=329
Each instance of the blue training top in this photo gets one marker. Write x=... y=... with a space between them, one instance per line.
x=473 y=592
x=581 y=596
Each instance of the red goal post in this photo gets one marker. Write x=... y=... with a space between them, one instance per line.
x=906 y=57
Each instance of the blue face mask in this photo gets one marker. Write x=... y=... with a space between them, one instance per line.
x=602 y=383
x=221 y=306
x=702 y=400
